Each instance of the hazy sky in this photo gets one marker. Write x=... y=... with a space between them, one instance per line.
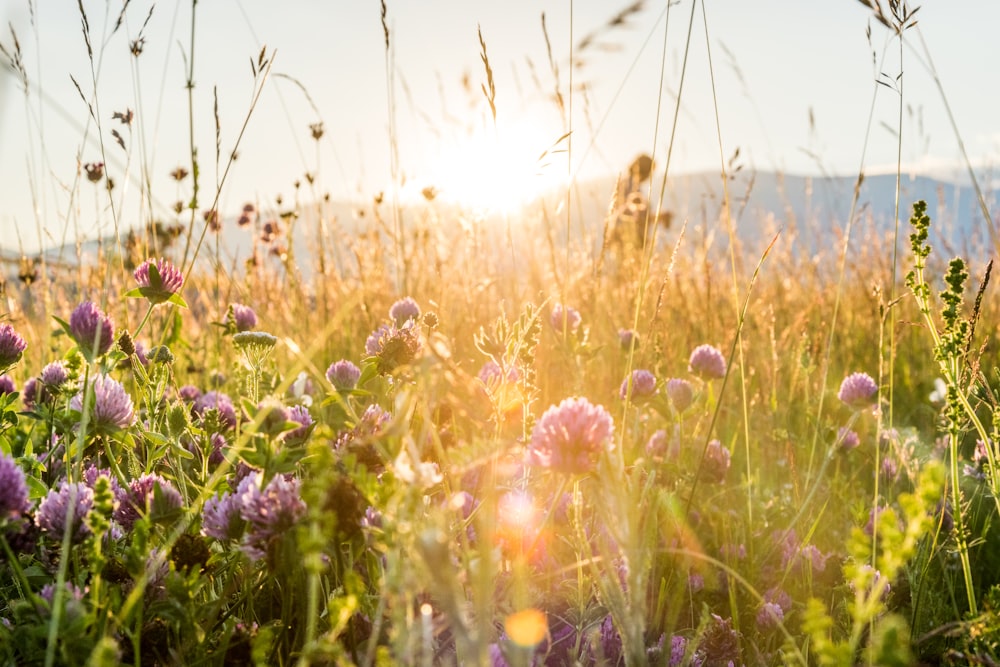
x=777 y=63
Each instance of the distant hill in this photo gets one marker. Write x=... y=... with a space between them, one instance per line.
x=814 y=208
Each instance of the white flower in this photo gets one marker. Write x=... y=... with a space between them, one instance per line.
x=940 y=392
x=423 y=475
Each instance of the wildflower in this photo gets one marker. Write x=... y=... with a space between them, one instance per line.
x=95 y=171
x=628 y=338
x=241 y=318
x=404 y=310
x=91 y=329
x=940 y=393
x=149 y=495
x=13 y=489
x=641 y=383
x=216 y=400
x=660 y=446
x=343 y=375
x=158 y=280
x=847 y=439
x=12 y=346
x=707 y=363
x=189 y=393
x=680 y=393
x=52 y=513
x=721 y=642
x=54 y=374
x=112 y=406
x=393 y=346
x=769 y=616
x=423 y=475
x=570 y=436
x=858 y=391
x=301 y=389
x=220 y=517
x=7 y=385
x=30 y=394
x=269 y=512
x=873 y=580
x=492 y=375
x=300 y=415
x=565 y=318
x=717 y=460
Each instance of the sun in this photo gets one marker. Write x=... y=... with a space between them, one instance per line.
x=497 y=170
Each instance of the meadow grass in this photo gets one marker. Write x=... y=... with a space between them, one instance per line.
x=410 y=447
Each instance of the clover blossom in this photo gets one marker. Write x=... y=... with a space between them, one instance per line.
x=150 y=495
x=12 y=346
x=641 y=383
x=92 y=330
x=241 y=318
x=858 y=391
x=7 y=385
x=13 y=489
x=707 y=363
x=112 y=406
x=681 y=394
x=570 y=436
x=565 y=316
x=403 y=310
x=158 y=280
x=269 y=512
x=216 y=400
x=52 y=513
x=343 y=375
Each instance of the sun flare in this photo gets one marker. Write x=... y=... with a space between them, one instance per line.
x=496 y=170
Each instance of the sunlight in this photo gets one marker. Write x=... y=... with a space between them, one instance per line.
x=497 y=171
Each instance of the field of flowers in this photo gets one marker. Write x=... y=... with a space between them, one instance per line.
x=433 y=441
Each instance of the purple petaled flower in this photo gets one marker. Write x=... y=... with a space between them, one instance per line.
x=769 y=616
x=717 y=460
x=661 y=446
x=707 y=363
x=847 y=438
x=269 y=512
x=570 y=436
x=12 y=346
x=189 y=393
x=54 y=510
x=858 y=391
x=611 y=648
x=13 y=490
x=343 y=375
x=678 y=647
x=565 y=318
x=218 y=401
x=166 y=282
x=148 y=495
x=218 y=454
x=300 y=415
x=112 y=406
x=30 y=394
x=627 y=338
x=242 y=318
x=7 y=385
x=91 y=329
x=393 y=346
x=403 y=310
x=221 y=514
x=54 y=374
x=681 y=393
x=642 y=384
x=492 y=375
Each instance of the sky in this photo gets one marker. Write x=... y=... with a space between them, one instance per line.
x=794 y=81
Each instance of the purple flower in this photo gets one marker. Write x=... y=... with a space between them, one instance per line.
x=393 y=346
x=269 y=512
x=660 y=446
x=91 y=329
x=769 y=616
x=241 y=318
x=492 y=375
x=717 y=460
x=300 y=415
x=7 y=385
x=642 y=384
x=218 y=401
x=565 y=316
x=570 y=436
x=627 y=338
x=847 y=438
x=54 y=374
x=112 y=406
x=148 y=495
x=189 y=393
x=680 y=393
x=707 y=363
x=13 y=490
x=221 y=514
x=403 y=310
x=159 y=285
x=30 y=394
x=343 y=375
x=858 y=391
x=52 y=513
x=12 y=346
